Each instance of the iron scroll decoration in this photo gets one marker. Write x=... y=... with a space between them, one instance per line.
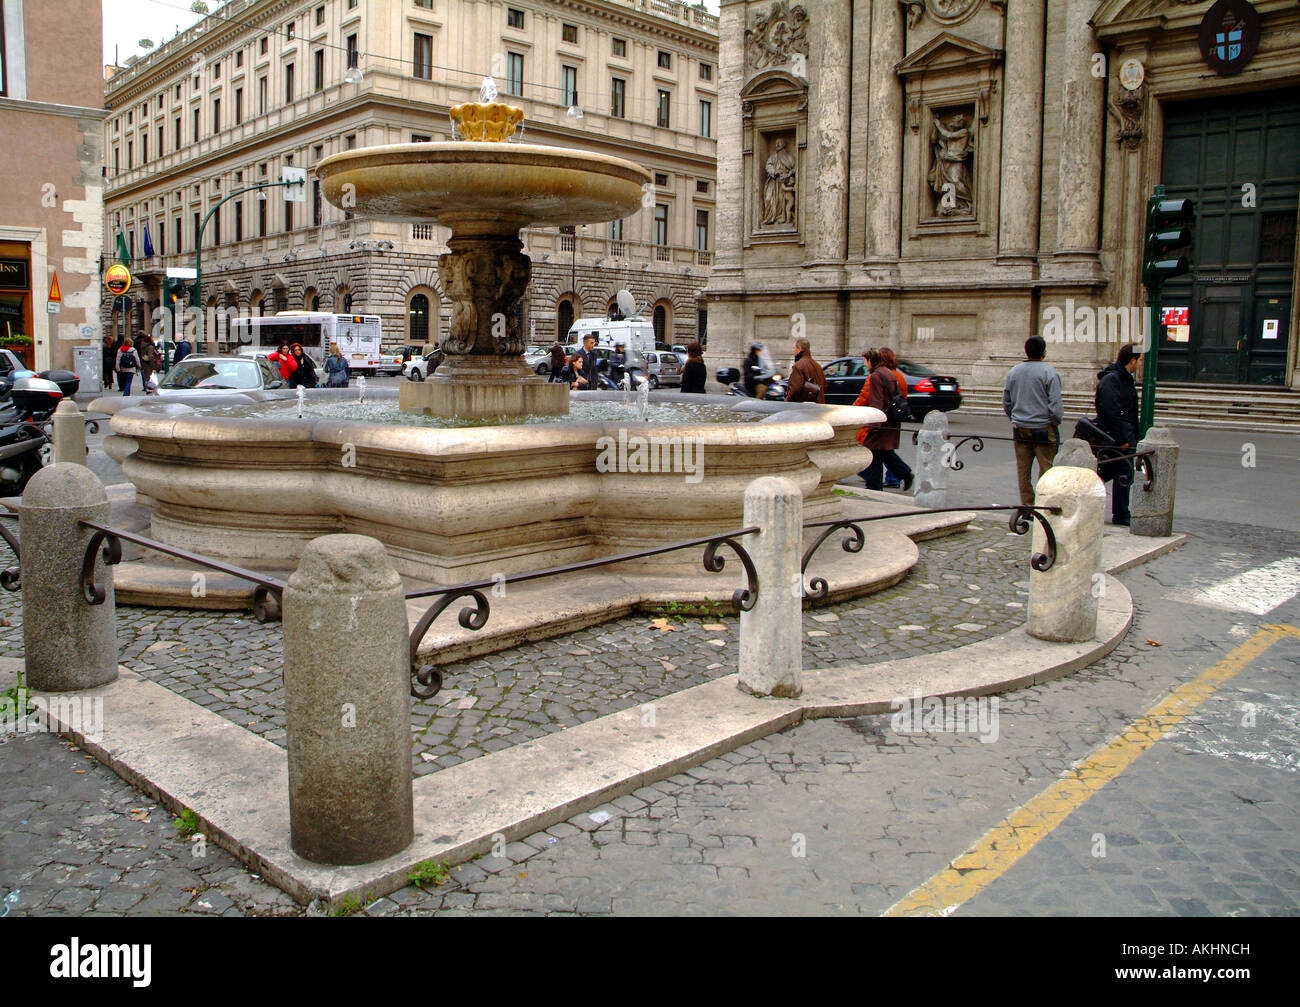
x=743 y=599
x=818 y=588
x=11 y=577
x=112 y=555
x=426 y=680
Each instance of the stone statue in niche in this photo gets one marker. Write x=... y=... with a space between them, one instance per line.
x=779 y=187
x=950 y=170
x=779 y=36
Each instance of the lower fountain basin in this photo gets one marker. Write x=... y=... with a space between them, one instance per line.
x=244 y=480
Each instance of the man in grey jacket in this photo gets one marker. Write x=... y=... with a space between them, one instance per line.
x=1032 y=399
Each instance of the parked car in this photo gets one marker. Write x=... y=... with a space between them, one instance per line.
x=927 y=390
x=663 y=368
x=419 y=368
x=11 y=369
x=198 y=377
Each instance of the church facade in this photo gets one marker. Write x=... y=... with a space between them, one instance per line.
x=948 y=177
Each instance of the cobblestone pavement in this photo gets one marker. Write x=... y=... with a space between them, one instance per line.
x=835 y=816
x=966 y=587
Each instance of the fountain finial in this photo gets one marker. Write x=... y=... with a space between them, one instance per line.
x=485 y=120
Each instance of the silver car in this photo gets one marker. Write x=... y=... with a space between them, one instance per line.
x=201 y=376
x=663 y=368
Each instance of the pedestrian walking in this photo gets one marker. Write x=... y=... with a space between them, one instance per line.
x=127 y=365
x=336 y=368
x=576 y=373
x=882 y=439
x=557 y=362
x=149 y=362
x=1116 y=400
x=1031 y=398
x=304 y=371
x=108 y=358
x=694 y=374
x=182 y=349
x=807 y=380
x=888 y=358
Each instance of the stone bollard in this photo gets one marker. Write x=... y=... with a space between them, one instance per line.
x=69 y=433
x=68 y=643
x=771 y=633
x=1063 y=600
x=932 y=461
x=1076 y=453
x=347 y=680
x=1153 y=510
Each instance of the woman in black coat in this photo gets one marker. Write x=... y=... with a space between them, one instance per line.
x=1117 y=413
x=305 y=374
x=694 y=374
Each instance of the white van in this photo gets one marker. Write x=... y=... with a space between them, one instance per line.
x=636 y=333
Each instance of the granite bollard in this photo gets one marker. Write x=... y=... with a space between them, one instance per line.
x=771 y=633
x=1063 y=600
x=347 y=704
x=1076 y=453
x=1153 y=510
x=69 y=433
x=932 y=461
x=68 y=643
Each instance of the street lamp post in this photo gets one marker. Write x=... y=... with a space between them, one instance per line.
x=198 y=250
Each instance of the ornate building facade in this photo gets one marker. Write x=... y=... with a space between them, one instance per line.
x=266 y=84
x=951 y=176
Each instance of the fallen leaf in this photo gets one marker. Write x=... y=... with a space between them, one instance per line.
x=663 y=625
x=523 y=874
x=80 y=772
x=138 y=814
x=1154 y=643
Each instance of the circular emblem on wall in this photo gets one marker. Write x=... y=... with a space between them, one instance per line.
x=1131 y=74
x=117 y=278
x=951 y=11
x=1229 y=36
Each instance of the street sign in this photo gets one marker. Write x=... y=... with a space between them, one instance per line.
x=182 y=273
x=117 y=278
x=294 y=193
x=56 y=295
x=54 y=307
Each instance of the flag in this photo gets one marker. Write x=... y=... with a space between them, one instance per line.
x=148 y=245
x=123 y=253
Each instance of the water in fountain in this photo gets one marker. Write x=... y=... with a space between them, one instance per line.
x=361 y=389
x=302 y=394
x=642 y=401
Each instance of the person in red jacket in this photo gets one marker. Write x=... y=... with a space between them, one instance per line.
x=878 y=391
x=284 y=359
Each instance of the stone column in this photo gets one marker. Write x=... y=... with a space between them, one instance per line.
x=1063 y=600
x=68 y=643
x=884 y=132
x=1022 y=141
x=771 y=633
x=347 y=703
x=69 y=433
x=1153 y=510
x=1082 y=120
x=932 y=462
x=828 y=110
x=1076 y=453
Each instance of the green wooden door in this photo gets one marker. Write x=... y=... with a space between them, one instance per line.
x=1238 y=160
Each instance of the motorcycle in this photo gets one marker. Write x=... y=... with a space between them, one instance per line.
x=26 y=443
x=730 y=376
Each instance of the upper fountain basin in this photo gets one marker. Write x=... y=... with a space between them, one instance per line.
x=469 y=186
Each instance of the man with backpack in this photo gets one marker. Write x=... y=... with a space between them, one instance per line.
x=127 y=365
x=880 y=391
x=1031 y=398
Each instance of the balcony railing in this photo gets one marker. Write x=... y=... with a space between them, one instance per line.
x=663 y=253
x=703 y=258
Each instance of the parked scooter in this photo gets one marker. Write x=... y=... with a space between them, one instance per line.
x=25 y=442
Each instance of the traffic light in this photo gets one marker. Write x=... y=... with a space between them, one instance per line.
x=1169 y=236
x=179 y=294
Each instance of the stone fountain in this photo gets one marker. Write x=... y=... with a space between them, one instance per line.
x=485 y=189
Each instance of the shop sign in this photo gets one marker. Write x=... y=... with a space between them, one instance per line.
x=13 y=274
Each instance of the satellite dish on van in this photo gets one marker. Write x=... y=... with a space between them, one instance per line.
x=626 y=303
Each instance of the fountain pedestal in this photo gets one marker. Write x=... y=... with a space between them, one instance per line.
x=484 y=386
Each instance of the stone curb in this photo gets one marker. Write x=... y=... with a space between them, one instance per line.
x=237 y=782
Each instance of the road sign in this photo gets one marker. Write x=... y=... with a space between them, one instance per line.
x=56 y=295
x=117 y=278
x=54 y=307
x=294 y=193
x=182 y=273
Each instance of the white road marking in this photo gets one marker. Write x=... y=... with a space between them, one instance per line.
x=1257 y=591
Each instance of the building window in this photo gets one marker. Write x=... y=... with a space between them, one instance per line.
x=288 y=216
x=178 y=92
x=661 y=224
x=706 y=71
x=196 y=123
x=261 y=49
x=702 y=327
x=702 y=187
x=216 y=70
x=318 y=69
x=315 y=202
x=423 y=56
x=701 y=230
x=239 y=105
x=514 y=18
x=569 y=33
x=179 y=228
x=239 y=58
x=418 y=319
x=130 y=154
x=620 y=47
x=514 y=74
x=665 y=101
x=706 y=118
x=239 y=220
x=288 y=84
x=569 y=76
x=130 y=118
x=117 y=161
x=320 y=15
x=350 y=141
x=354 y=53
x=261 y=218
x=160 y=140
x=216 y=228
x=176 y=128
x=216 y=115
x=421 y=138
x=261 y=96
x=290 y=32
x=661 y=178
x=197 y=224
x=665 y=59
x=617 y=97
x=616 y=230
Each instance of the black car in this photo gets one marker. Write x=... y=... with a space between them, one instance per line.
x=926 y=390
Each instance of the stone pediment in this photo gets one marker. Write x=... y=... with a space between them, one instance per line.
x=947 y=52
x=280 y=280
x=770 y=83
x=1116 y=12
x=229 y=287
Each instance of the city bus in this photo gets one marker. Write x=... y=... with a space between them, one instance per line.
x=358 y=336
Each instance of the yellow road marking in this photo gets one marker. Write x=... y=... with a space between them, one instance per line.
x=1004 y=844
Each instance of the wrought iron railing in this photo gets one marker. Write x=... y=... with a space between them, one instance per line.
x=1144 y=460
x=426 y=679
x=818 y=588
